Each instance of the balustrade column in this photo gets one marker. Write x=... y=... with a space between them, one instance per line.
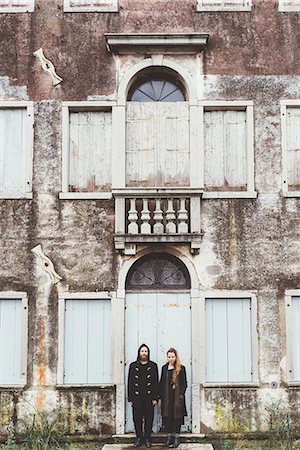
x=182 y=217
x=145 y=217
x=170 y=217
x=158 y=227
x=133 y=227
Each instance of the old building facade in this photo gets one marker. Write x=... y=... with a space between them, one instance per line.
x=149 y=192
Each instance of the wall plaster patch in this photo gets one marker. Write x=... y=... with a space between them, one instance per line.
x=46 y=264
x=48 y=67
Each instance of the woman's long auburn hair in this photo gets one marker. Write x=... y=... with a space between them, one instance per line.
x=177 y=368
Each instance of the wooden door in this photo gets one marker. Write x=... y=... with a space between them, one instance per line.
x=161 y=320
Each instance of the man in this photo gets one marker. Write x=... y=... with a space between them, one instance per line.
x=142 y=393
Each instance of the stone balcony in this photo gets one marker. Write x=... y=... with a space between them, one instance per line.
x=153 y=216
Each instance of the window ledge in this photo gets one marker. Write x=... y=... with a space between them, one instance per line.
x=291 y=194
x=17 y=9
x=223 y=8
x=245 y=194
x=282 y=8
x=10 y=387
x=231 y=385
x=85 y=386
x=27 y=195
x=85 y=195
x=90 y=9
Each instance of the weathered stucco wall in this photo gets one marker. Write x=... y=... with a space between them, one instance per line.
x=250 y=244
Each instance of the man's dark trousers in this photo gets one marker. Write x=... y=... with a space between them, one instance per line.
x=146 y=412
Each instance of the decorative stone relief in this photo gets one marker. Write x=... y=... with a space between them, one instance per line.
x=48 y=67
x=46 y=264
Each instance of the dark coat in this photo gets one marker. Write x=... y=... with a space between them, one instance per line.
x=180 y=388
x=134 y=384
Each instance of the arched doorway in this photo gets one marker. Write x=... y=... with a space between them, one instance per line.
x=158 y=313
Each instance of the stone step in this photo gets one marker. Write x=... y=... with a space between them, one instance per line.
x=155 y=446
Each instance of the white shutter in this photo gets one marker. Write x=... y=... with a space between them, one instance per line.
x=90 y=151
x=87 y=342
x=225 y=150
x=293 y=148
x=172 y=144
x=140 y=144
x=228 y=340
x=13 y=146
x=10 y=341
x=157 y=144
x=296 y=338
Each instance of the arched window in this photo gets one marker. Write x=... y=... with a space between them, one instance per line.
x=158 y=271
x=157 y=84
x=157 y=89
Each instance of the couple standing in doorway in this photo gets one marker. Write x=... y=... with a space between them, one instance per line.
x=145 y=391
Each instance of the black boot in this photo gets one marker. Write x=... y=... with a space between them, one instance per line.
x=137 y=443
x=176 y=442
x=169 y=440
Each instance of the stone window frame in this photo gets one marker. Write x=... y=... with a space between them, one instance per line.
x=101 y=295
x=221 y=294
x=20 y=295
x=283 y=107
x=88 y=106
x=246 y=7
x=113 y=7
x=28 y=105
x=282 y=7
x=288 y=295
x=28 y=7
x=246 y=105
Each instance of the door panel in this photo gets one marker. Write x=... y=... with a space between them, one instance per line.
x=160 y=320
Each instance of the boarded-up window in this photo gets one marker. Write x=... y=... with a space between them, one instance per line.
x=224 y=4
x=13 y=151
x=16 y=5
x=293 y=148
x=157 y=144
x=225 y=150
x=90 y=151
x=295 y=351
x=90 y=5
x=228 y=340
x=289 y=5
x=10 y=341
x=87 y=352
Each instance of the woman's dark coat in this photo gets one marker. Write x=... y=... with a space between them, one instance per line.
x=180 y=388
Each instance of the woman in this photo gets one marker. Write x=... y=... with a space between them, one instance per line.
x=172 y=388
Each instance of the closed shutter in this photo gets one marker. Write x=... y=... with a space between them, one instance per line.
x=87 y=342
x=13 y=146
x=90 y=151
x=296 y=338
x=10 y=341
x=228 y=340
x=293 y=148
x=157 y=144
x=225 y=150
